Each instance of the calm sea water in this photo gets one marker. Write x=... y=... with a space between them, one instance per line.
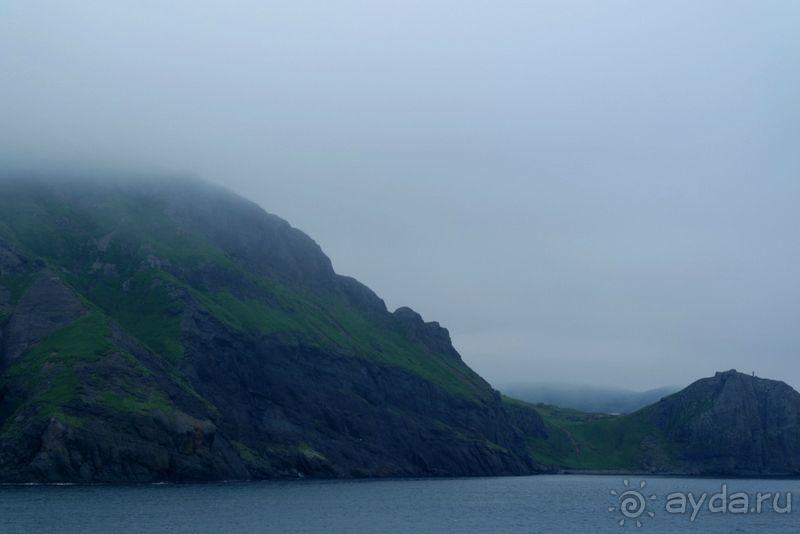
x=559 y=503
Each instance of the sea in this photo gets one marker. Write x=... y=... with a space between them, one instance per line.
x=536 y=504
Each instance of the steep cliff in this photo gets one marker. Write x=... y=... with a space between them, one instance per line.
x=171 y=330
x=730 y=423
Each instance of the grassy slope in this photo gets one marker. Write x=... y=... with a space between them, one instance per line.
x=586 y=441
x=80 y=364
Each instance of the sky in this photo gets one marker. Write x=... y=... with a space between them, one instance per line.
x=591 y=192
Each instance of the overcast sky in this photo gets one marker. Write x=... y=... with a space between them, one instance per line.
x=591 y=192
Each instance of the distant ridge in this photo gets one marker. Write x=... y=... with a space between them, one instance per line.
x=587 y=398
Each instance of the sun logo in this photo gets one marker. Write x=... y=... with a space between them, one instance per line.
x=632 y=504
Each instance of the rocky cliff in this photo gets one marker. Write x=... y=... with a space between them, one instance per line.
x=731 y=423
x=159 y=330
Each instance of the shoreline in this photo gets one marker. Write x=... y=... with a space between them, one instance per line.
x=564 y=472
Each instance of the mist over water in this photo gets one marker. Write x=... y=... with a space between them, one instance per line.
x=581 y=192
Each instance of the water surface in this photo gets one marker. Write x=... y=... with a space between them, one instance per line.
x=557 y=503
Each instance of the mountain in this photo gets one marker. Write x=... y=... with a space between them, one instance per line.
x=729 y=424
x=587 y=398
x=171 y=330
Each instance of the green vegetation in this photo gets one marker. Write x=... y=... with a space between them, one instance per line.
x=266 y=456
x=309 y=452
x=133 y=404
x=147 y=309
x=84 y=340
x=246 y=453
x=48 y=370
x=579 y=440
x=16 y=284
x=63 y=389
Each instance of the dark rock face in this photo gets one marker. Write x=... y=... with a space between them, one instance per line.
x=127 y=449
x=732 y=424
x=431 y=334
x=358 y=418
x=11 y=261
x=44 y=308
x=5 y=300
x=362 y=296
x=294 y=410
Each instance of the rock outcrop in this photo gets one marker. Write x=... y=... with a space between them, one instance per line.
x=731 y=423
x=45 y=307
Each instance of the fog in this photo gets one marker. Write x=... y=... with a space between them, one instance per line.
x=586 y=192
